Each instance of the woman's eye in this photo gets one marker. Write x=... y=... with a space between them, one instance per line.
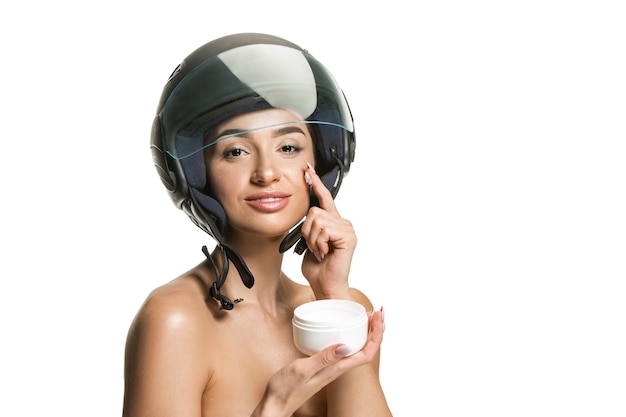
x=290 y=149
x=233 y=153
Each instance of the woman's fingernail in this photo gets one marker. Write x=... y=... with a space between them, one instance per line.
x=383 y=317
x=317 y=256
x=310 y=166
x=307 y=178
x=342 y=351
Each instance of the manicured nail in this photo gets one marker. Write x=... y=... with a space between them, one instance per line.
x=342 y=351
x=307 y=178
x=310 y=166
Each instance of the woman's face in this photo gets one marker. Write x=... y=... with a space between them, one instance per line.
x=258 y=176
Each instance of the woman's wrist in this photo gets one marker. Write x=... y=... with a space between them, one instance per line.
x=333 y=294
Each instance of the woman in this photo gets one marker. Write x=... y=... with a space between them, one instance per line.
x=251 y=136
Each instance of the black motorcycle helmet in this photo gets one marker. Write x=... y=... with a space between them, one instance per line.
x=229 y=76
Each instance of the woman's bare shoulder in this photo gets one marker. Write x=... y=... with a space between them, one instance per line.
x=176 y=308
x=166 y=361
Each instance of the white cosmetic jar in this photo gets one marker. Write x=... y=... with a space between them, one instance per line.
x=319 y=324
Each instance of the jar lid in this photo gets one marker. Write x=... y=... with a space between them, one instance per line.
x=323 y=314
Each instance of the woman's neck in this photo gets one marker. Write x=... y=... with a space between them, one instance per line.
x=265 y=262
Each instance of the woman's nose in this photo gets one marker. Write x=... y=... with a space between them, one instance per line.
x=265 y=171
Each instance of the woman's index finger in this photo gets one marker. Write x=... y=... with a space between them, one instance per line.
x=324 y=196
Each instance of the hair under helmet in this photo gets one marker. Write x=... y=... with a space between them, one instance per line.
x=229 y=76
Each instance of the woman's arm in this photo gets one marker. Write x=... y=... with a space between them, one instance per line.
x=358 y=392
x=331 y=242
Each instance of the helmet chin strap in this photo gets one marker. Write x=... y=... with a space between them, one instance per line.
x=228 y=254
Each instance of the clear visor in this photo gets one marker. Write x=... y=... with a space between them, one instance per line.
x=249 y=78
x=188 y=146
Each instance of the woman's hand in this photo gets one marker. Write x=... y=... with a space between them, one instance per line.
x=295 y=383
x=331 y=241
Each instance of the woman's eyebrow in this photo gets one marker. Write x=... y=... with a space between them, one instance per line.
x=229 y=132
x=288 y=129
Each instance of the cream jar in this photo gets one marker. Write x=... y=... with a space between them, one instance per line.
x=319 y=324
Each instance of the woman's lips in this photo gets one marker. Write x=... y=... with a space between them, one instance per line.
x=268 y=201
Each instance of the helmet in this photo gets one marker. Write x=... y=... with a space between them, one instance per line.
x=229 y=76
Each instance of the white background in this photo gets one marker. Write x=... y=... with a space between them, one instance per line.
x=488 y=193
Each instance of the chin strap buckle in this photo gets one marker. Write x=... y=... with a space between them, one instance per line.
x=225 y=302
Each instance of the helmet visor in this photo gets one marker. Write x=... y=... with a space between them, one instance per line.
x=244 y=79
